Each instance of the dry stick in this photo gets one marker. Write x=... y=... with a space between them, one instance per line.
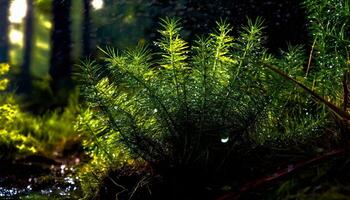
x=346 y=91
x=138 y=185
x=310 y=58
x=346 y=82
x=344 y=123
x=279 y=174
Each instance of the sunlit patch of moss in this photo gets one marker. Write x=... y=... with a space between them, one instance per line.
x=30 y=134
x=4 y=69
x=9 y=112
x=3 y=84
x=23 y=134
x=10 y=116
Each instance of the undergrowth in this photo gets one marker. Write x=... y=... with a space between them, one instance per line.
x=210 y=116
x=193 y=113
x=23 y=134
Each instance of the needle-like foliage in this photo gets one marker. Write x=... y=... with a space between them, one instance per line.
x=196 y=110
x=191 y=107
x=329 y=25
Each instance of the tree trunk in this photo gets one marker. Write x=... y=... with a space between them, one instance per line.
x=4 y=25
x=25 y=83
x=86 y=29
x=61 y=64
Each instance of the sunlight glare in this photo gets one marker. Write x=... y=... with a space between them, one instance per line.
x=97 y=4
x=16 y=37
x=18 y=10
x=47 y=24
x=43 y=45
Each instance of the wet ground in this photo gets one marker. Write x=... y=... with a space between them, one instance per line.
x=39 y=178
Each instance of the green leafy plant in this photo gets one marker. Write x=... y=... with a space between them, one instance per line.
x=324 y=76
x=191 y=112
x=329 y=25
x=184 y=109
x=23 y=134
x=10 y=140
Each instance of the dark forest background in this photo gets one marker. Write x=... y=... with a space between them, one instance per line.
x=45 y=38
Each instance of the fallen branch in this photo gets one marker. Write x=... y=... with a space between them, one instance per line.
x=279 y=174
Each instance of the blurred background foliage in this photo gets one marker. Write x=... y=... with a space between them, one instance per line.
x=24 y=134
x=122 y=24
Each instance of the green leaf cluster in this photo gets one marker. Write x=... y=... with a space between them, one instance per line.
x=23 y=134
x=181 y=106
x=195 y=107
x=4 y=68
x=324 y=70
x=329 y=25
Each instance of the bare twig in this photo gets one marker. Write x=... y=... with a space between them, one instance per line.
x=138 y=185
x=310 y=58
x=346 y=91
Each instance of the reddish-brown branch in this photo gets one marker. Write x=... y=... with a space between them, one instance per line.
x=278 y=175
x=346 y=91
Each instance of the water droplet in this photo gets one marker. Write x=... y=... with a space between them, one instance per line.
x=224 y=139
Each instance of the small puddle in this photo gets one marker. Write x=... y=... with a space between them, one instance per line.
x=10 y=192
x=26 y=179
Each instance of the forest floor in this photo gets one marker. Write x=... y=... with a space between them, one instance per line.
x=40 y=177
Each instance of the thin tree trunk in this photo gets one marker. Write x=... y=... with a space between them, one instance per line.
x=4 y=25
x=25 y=84
x=61 y=64
x=86 y=29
